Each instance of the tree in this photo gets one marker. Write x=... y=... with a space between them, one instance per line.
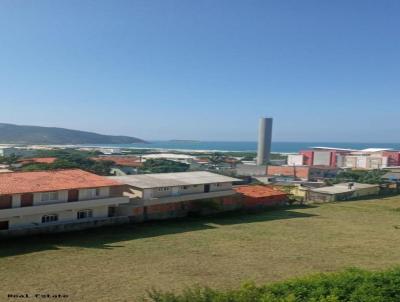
x=163 y=166
x=71 y=159
x=217 y=158
x=361 y=176
x=8 y=160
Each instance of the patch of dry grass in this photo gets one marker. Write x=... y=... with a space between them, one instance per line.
x=120 y=263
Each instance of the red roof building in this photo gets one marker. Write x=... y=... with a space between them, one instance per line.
x=37 y=160
x=45 y=181
x=32 y=202
x=259 y=195
x=127 y=161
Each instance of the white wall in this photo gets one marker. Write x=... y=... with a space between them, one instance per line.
x=147 y=193
x=295 y=159
x=85 y=194
x=322 y=158
x=220 y=186
x=63 y=216
x=361 y=162
x=62 y=197
x=16 y=201
x=179 y=190
x=375 y=161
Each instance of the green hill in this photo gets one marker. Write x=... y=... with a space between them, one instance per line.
x=16 y=134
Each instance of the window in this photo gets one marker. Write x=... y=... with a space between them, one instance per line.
x=49 y=196
x=163 y=189
x=84 y=214
x=94 y=192
x=49 y=218
x=5 y=201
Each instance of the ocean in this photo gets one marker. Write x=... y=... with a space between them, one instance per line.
x=277 y=147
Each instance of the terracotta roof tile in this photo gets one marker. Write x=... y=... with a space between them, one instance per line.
x=258 y=191
x=121 y=161
x=44 y=181
x=39 y=160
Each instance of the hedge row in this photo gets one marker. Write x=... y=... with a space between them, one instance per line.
x=352 y=285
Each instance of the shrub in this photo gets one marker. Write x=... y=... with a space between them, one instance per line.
x=352 y=285
x=163 y=166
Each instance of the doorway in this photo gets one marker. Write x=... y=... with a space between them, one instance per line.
x=3 y=225
x=73 y=195
x=5 y=201
x=27 y=200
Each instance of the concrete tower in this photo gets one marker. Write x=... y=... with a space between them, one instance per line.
x=264 y=140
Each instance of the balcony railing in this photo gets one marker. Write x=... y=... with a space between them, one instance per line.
x=61 y=206
x=179 y=198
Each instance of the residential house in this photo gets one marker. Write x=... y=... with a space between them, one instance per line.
x=123 y=165
x=392 y=176
x=153 y=191
x=342 y=191
x=298 y=189
x=392 y=181
x=31 y=201
x=260 y=196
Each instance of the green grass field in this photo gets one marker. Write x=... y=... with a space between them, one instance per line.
x=121 y=263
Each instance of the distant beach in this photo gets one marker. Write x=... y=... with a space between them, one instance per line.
x=277 y=147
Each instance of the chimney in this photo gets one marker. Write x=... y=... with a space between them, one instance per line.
x=264 y=141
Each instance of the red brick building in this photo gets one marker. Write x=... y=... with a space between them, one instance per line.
x=261 y=196
x=393 y=158
x=324 y=157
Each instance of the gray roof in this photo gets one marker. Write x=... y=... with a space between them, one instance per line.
x=146 y=181
x=306 y=184
x=343 y=188
x=392 y=175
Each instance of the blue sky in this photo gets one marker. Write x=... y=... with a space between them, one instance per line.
x=208 y=69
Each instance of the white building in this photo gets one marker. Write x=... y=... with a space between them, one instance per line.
x=161 y=188
x=182 y=158
x=33 y=200
x=366 y=159
x=341 y=191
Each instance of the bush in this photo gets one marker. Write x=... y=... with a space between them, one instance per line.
x=163 y=166
x=352 y=285
x=362 y=176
